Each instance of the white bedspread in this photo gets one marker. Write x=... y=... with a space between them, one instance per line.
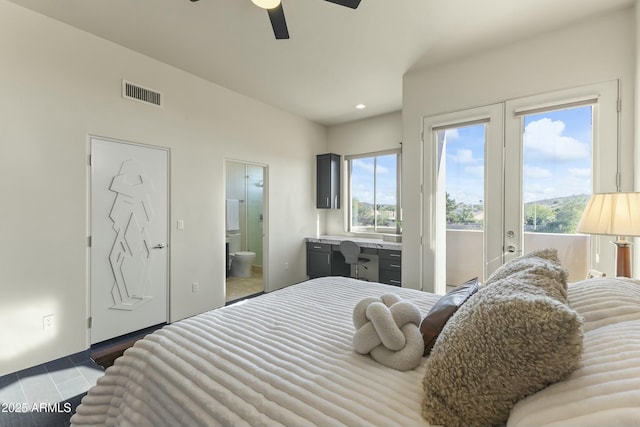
x=605 y=389
x=285 y=358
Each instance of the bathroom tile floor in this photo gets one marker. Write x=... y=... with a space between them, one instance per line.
x=46 y=395
x=241 y=287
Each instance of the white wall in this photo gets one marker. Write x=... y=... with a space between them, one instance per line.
x=589 y=52
x=362 y=136
x=58 y=85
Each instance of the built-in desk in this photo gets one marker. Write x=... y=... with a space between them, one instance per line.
x=325 y=259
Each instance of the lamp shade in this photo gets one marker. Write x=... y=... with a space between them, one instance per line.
x=266 y=4
x=615 y=214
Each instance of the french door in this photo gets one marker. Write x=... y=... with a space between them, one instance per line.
x=463 y=186
x=560 y=148
x=512 y=177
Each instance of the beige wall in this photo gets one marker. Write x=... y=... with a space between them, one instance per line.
x=58 y=85
x=593 y=51
x=362 y=136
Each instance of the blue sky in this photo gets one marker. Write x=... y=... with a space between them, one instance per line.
x=362 y=179
x=557 y=157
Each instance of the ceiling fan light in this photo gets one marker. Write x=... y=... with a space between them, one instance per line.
x=266 y=4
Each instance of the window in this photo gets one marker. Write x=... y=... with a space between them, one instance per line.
x=464 y=149
x=374 y=192
x=557 y=158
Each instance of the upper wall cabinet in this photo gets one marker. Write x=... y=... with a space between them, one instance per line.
x=328 y=181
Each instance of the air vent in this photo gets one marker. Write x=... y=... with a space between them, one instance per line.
x=139 y=93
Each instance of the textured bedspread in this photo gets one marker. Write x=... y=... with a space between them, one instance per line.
x=605 y=389
x=285 y=358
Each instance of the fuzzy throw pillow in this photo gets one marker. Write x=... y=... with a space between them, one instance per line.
x=514 y=337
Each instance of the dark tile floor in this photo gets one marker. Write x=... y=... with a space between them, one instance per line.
x=46 y=395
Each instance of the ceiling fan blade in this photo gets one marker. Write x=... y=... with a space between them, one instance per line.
x=353 y=4
x=279 y=24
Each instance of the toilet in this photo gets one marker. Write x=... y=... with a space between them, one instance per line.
x=241 y=261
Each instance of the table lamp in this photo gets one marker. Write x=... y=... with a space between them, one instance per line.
x=614 y=214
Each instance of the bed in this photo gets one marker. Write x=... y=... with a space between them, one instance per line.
x=286 y=359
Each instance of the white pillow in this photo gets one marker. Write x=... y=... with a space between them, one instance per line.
x=605 y=389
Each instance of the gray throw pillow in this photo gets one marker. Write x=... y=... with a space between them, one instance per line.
x=514 y=337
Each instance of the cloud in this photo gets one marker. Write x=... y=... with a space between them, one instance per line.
x=580 y=172
x=465 y=193
x=536 y=172
x=544 y=138
x=534 y=193
x=362 y=165
x=463 y=156
x=477 y=171
x=369 y=167
x=450 y=134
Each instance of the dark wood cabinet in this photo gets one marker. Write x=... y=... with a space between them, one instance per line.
x=390 y=267
x=328 y=181
x=318 y=259
x=325 y=259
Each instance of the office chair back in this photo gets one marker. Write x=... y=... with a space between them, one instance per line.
x=350 y=250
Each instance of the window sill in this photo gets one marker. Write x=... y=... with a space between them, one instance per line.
x=385 y=236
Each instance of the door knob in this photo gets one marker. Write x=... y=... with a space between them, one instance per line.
x=511 y=249
x=159 y=246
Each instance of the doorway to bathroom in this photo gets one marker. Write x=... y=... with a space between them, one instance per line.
x=245 y=224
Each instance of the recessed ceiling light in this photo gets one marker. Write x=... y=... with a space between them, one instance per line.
x=361 y=106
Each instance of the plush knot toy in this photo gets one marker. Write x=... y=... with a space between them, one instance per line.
x=389 y=330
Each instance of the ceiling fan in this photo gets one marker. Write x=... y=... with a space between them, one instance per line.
x=276 y=14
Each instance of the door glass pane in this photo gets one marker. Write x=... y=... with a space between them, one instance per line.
x=463 y=156
x=557 y=170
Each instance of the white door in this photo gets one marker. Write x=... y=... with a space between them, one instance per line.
x=560 y=148
x=129 y=237
x=463 y=183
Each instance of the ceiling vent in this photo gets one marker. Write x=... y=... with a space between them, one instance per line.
x=139 y=93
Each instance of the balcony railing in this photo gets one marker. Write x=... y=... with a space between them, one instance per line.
x=465 y=248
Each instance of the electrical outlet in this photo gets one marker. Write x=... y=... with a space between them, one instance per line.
x=48 y=322
x=286 y=266
x=195 y=287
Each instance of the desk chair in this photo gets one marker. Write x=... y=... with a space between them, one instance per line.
x=351 y=252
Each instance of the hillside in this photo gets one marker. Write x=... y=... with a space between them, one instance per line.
x=554 y=215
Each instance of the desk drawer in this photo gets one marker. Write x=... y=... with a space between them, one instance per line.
x=394 y=264
x=318 y=247
x=390 y=277
x=390 y=267
x=390 y=254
